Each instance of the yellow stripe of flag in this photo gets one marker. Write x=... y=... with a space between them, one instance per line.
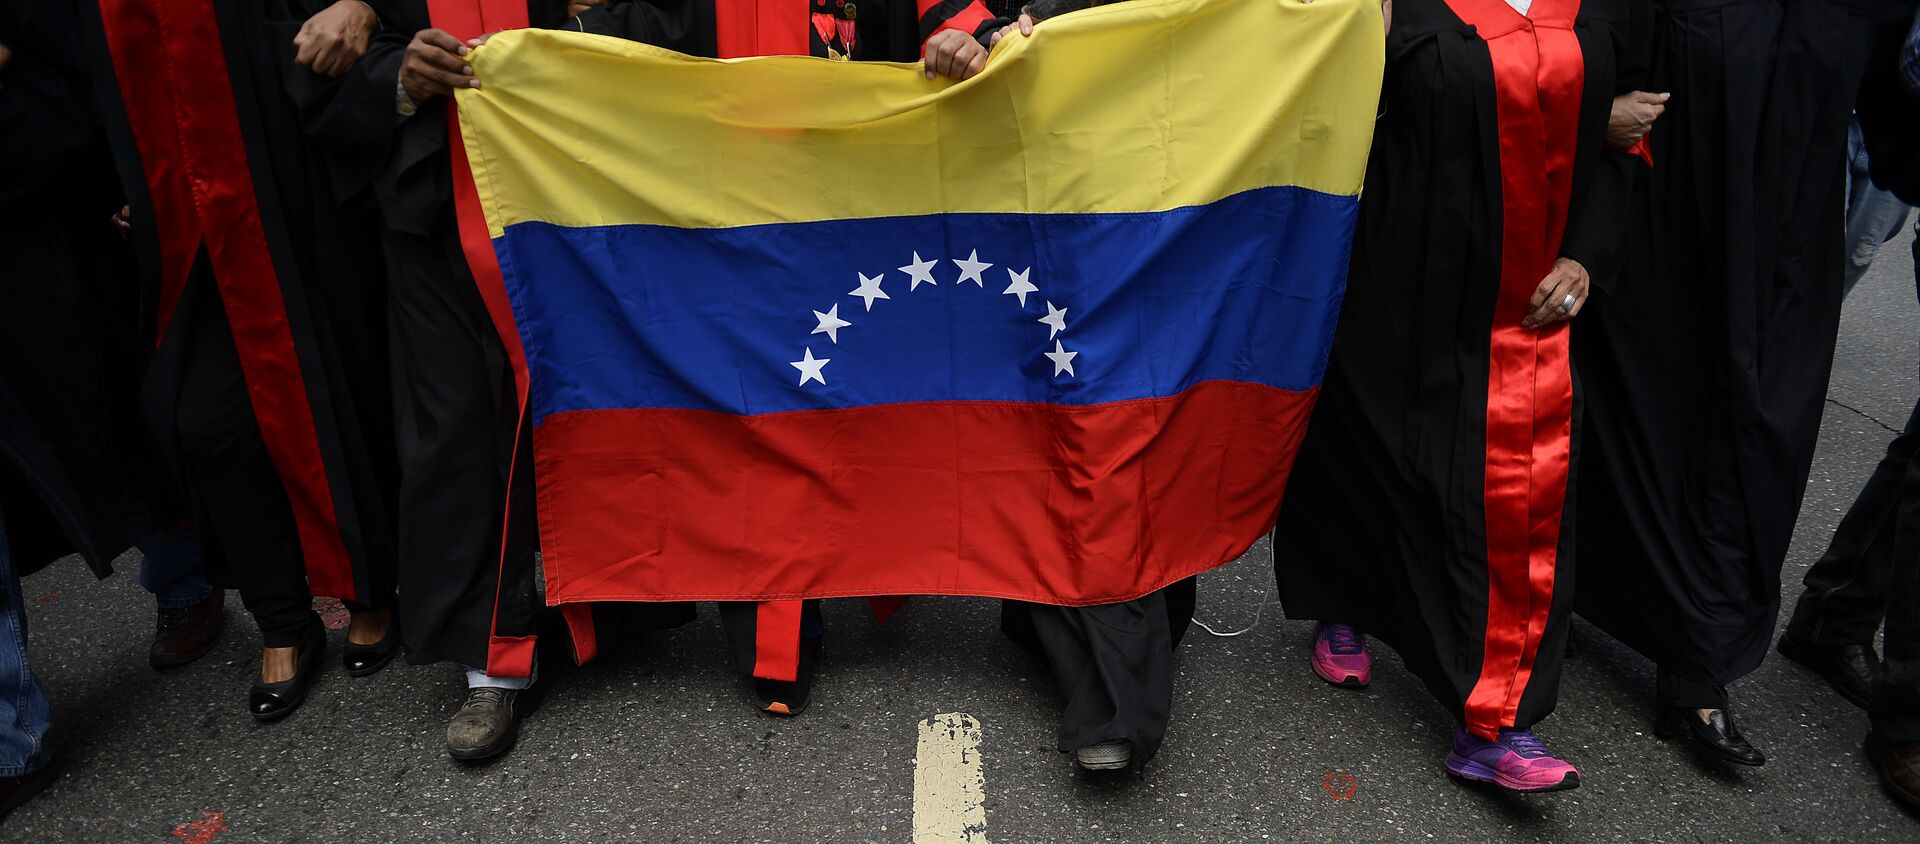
x=1140 y=106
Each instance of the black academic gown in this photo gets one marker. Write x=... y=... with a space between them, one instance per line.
x=1708 y=365
x=1430 y=504
x=76 y=472
x=318 y=392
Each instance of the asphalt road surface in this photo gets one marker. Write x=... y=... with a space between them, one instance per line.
x=657 y=742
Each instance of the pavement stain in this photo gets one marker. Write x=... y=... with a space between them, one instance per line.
x=202 y=831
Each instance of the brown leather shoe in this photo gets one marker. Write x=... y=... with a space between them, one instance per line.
x=1898 y=766
x=1849 y=669
x=185 y=634
x=17 y=790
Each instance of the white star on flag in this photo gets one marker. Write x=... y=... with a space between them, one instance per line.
x=1019 y=286
x=869 y=289
x=1056 y=318
x=830 y=323
x=918 y=272
x=810 y=368
x=971 y=268
x=1062 y=359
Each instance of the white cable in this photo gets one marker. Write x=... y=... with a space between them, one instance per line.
x=1258 y=611
x=1247 y=629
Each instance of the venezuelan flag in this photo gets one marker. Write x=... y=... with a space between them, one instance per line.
x=802 y=328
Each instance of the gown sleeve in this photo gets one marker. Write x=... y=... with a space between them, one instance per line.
x=968 y=16
x=1889 y=113
x=1597 y=222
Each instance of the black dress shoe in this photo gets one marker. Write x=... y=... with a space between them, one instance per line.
x=367 y=660
x=274 y=701
x=1849 y=669
x=1898 y=766
x=783 y=697
x=1716 y=737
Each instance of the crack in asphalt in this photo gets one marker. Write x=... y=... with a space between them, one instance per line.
x=1862 y=414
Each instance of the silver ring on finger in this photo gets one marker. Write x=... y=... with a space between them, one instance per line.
x=1566 y=304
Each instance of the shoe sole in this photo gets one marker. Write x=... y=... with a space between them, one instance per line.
x=1467 y=769
x=497 y=747
x=1796 y=652
x=1347 y=681
x=1104 y=766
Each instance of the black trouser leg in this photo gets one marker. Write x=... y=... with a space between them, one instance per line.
x=1847 y=590
x=1675 y=690
x=455 y=416
x=238 y=498
x=1113 y=663
x=1895 y=707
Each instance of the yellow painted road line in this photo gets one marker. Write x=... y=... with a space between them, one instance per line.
x=949 y=786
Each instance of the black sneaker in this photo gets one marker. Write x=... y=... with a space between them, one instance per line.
x=488 y=722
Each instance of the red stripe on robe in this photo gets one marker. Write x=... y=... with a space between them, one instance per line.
x=1539 y=74
x=172 y=71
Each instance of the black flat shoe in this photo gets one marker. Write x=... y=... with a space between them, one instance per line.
x=782 y=697
x=1716 y=737
x=274 y=701
x=367 y=660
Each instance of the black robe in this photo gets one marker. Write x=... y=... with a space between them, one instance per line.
x=1706 y=369
x=76 y=469
x=1430 y=505
x=316 y=382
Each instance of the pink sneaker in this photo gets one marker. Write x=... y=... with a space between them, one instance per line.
x=1517 y=762
x=1340 y=655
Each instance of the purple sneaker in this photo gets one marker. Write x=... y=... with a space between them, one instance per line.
x=1340 y=655
x=1517 y=762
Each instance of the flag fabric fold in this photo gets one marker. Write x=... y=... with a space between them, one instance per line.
x=802 y=328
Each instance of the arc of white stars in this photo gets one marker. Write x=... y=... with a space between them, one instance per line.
x=919 y=272
x=971 y=268
x=830 y=324
x=810 y=367
x=1062 y=359
x=1055 y=319
x=869 y=289
x=1018 y=285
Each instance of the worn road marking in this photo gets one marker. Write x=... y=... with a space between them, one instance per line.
x=949 y=788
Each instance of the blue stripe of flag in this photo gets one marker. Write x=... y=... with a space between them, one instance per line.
x=1244 y=289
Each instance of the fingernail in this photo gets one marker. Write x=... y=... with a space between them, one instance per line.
x=473 y=83
x=463 y=49
x=467 y=69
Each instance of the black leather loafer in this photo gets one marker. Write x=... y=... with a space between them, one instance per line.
x=274 y=701
x=1716 y=737
x=367 y=660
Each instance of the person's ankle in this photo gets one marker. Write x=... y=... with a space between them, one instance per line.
x=369 y=627
x=278 y=665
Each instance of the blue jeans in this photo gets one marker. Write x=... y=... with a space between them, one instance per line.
x=24 y=714
x=170 y=569
x=1874 y=216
